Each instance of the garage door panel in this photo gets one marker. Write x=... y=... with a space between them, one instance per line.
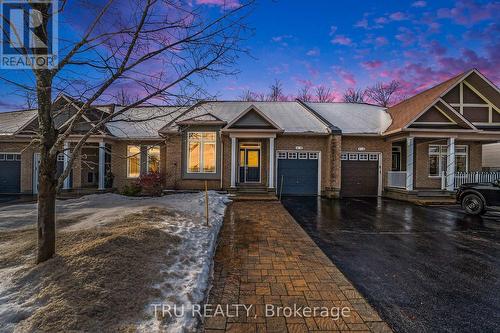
x=359 y=178
x=10 y=176
x=300 y=176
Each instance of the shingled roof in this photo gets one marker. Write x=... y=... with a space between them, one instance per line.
x=405 y=111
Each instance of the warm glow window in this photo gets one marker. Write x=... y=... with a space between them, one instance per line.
x=201 y=152
x=133 y=161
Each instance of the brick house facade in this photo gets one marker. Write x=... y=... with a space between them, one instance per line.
x=290 y=147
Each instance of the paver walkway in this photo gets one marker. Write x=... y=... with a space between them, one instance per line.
x=265 y=258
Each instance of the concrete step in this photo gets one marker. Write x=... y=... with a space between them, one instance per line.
x=254 y=197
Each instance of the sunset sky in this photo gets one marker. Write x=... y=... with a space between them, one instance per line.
x=344 y=44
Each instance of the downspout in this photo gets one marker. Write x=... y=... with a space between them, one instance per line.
x=221 y=160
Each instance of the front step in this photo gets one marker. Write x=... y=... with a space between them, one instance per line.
x=253 y=192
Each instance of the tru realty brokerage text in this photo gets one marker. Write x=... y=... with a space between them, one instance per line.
x=248 y=310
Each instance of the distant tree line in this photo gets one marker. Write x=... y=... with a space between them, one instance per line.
x=383 y=94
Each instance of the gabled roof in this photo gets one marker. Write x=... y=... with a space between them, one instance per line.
x=203 y=119
x=353 y=118
x=291 y=117
x=13 y=121
x=408 y=110
x=142 y=122
x=259 y=119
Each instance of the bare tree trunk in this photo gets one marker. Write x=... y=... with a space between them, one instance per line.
x=47 y=171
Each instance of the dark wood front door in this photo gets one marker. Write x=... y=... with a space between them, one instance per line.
x=249 y=165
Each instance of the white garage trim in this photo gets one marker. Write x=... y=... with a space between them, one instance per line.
x=284 y=155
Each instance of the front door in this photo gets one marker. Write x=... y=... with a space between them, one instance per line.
x=249 y=165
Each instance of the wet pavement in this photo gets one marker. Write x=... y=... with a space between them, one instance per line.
x=264 y=259
x=424 y=269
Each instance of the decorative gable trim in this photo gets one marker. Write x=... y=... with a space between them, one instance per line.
x=252 y=108
x=203 y=119
x=448 y=112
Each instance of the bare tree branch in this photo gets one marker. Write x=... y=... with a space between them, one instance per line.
x=383 y=94
x=354 y=96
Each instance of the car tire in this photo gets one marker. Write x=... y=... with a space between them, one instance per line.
x=473 y=204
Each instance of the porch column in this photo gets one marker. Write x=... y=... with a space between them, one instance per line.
x=450 y=165
x=233 y=162
x=271 y=163
x=410 y=147
x=102 y=163
x=66 y=152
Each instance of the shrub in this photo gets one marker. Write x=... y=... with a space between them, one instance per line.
x=151 y=184
x=132 y=190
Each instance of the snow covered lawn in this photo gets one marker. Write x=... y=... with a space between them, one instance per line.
x=118 y=257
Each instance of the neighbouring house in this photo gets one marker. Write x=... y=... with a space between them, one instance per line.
x=429 y=143
x=491 y=157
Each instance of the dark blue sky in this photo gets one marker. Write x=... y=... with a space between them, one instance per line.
x=343 y=44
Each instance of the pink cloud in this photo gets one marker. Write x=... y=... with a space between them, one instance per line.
x=362 y=23
x=469 y=12
x=348 y=77
x=406 y=36
x=282 y=40
x=313 y=72
x=419 y=4
x=221 y=3
x=380 y=41
x=381 y=20
x=313 y=52
x=342 y=40
x=371 y=64
x=398 y=16
x=436 y=48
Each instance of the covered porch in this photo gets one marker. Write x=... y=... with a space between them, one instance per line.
x=252 y=167
x=91 y=170
x=431 y=164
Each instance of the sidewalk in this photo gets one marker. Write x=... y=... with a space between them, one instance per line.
x=264 y=257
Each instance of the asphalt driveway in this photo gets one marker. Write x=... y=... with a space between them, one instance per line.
x=425 y=269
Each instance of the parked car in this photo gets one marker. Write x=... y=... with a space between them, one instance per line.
x=477 y=198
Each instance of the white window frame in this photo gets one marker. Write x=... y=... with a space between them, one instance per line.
x=344 y=157
x=128 y=162
x=313 y=156
x=15 y=156
x=302 y=156
x=282 y=155
x=292 y=155
x=373 y=157
x=202 y=161
x=353 y=156
x=363 y=157
x=443 y=152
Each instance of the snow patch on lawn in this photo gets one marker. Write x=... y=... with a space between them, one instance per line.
x=185 y=282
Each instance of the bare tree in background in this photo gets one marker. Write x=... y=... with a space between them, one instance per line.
x=30 y=99
x=276 y=92
x=163 y=48
x=123 y=97
x=304 y=94
x=354 y=96
x=384 y=94
x=324 y=94
x=248 y=96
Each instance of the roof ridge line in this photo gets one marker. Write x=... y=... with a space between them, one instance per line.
x=334 y=129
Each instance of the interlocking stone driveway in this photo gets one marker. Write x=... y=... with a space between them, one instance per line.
x=264 y=257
